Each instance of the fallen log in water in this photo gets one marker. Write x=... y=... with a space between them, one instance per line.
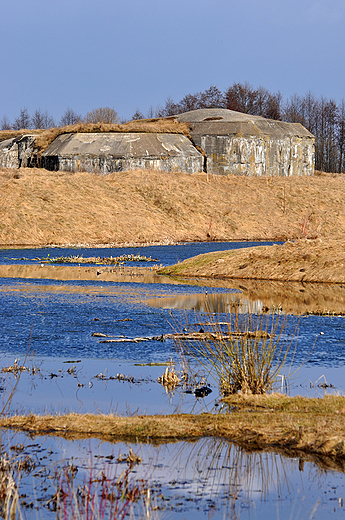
x=186 y=336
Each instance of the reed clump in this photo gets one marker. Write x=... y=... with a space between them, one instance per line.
x=243 y=353
x=170 y=379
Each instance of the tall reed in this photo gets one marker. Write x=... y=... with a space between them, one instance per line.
x=102 y=495
x=241 y=352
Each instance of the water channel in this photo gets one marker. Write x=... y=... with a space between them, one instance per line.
x=53 y=319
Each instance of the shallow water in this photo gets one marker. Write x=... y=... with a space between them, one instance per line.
x=47 y=322
x=210 y=478
x=167 y=255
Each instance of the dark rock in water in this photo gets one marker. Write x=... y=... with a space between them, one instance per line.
x=202 y=391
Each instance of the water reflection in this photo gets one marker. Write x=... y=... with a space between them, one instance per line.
x=209 y=476
x=213 y=303
x=118 y=274
x=295 y=297
x=255 y=295
x=288 y=297
x=203 y=479
x=240 y=483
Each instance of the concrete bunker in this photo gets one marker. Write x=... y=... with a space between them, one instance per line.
x=220 y=142
x=242 y=144
x=115 y=152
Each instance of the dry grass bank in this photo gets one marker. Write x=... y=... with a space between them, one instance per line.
x=40 y=208
x=320 y=260
x=297 y=425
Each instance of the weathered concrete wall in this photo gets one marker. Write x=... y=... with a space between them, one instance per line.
x=17 y=152
x=258 y=155
x=115 y=152
x=241 y=144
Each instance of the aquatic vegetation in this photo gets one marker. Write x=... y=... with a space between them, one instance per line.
x=170 y=379
x=110 y=260
x=103 y=494
x=245 y=353
x=9 y=496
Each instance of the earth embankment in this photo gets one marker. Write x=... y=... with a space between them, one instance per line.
x=142 y=207
x=320 y=260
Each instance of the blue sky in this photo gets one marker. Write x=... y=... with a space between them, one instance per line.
x=133 y=54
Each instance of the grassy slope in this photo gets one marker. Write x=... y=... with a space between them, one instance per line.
x=40 y=207
x=320 y=260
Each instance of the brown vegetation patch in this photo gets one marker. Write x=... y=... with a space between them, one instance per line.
x=11 y=134
x=276 y=422
x=41 y=208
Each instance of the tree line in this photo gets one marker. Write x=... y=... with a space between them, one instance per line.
x=41 y=119
x=323 y=117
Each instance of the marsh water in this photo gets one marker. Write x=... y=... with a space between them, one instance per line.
x=55 y=319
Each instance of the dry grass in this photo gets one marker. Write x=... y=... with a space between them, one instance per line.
x=40 y=207
x=321 y=260
x=289 y=424
x=10 y=134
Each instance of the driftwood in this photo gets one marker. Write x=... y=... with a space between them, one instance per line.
x=185 y=336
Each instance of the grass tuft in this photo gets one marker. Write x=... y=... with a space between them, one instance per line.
x=244 y=354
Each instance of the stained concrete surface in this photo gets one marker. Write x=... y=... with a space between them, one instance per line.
x=116 y=152
x=237 y=143
x=17 y=152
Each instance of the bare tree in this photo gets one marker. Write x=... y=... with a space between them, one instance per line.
x=293 y=110
x=23 y=120
x=102 y=115
x=5 y=123
x=42 y=119
x=190 y=102
x=240 y=97
x=340 y=134
x=170 y=108
x=70 y=118
x=211 y=98
x=152 y=113
x=138 y=115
